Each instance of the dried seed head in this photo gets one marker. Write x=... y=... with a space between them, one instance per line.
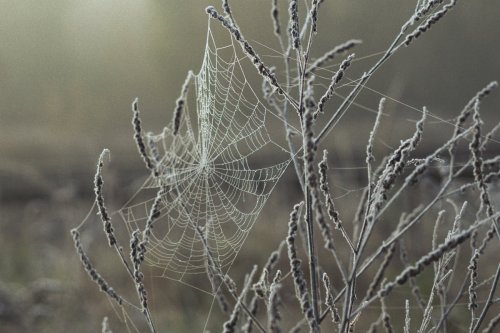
x=180 y=103
x=99 y=198
x=336 y=78
x=275 y=15
x=329 y=302
x=429 y=22
x=293 y=25
x=89 y=268
x=141 y=146
x=331 y=55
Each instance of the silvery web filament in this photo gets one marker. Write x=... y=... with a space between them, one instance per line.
x=208 y=170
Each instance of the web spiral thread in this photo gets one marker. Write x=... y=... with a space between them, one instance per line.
x=207 y=171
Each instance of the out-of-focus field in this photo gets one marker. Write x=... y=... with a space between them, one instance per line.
x=68 y=74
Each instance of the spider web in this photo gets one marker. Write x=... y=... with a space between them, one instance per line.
x=211 y=171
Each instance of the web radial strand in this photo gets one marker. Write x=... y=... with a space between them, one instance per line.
x=207 y=171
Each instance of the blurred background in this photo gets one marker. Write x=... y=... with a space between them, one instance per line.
x=69 y=71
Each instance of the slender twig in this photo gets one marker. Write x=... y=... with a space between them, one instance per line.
x=489 y=301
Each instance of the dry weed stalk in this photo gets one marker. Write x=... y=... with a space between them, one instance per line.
x=398 y=172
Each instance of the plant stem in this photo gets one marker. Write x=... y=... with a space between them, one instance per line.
x=313 y=271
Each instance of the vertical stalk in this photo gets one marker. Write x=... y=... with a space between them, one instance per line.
x=313 y=272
